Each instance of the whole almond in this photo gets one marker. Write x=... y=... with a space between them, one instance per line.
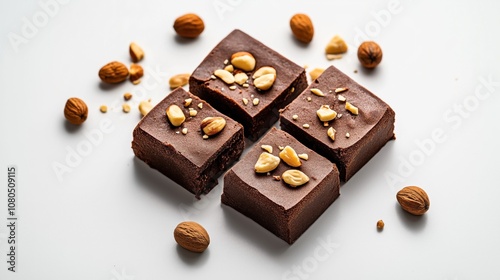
x=302 y=27
x=192 y=236
x=413 y=200
x=113 y=72
x=189 y=26
x=76 y=110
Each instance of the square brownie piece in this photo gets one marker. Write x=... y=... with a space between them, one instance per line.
x=235 y=100
x=189 y=159
x=284 y=210
x=358 y=136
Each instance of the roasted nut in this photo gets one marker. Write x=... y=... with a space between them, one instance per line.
x=351 y=108
x=200 y=105
x=103 y=108
x=75 y=110
x=302 y=28
x=240 y=78
x=175 y=115
x=369 y=54
x=243 y=60
x=145 y=106
x=380 y=225
x=187 y=102
x=413 y=200
x=264 y=82
x=336 y=45
x=178 y=80
x=113 y=72
x=290 y=157
x=294 y=177
x=224 y=75
x=266 y=163
x=189 y=26
x=136 y=52
x=315 y=73
x=192 y=112
x=325 y=114
x=267 y=148
x=263 y=71
x=212 y=125
x=192 y=236
x=331 y=133
x=127 y=96
x=317 y=92
x=136 y=72
x=125 y=108
x=255 y=101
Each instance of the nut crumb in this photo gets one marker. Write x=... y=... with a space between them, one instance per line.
x=306 y=125
x=317 y=92
x=342 y=89
x=295 y=117
x=127 y=96
x=326 y=124
x=229 y=68
x=205 y=136
x=193 y=112
x=233 y=87
x=347 y=135
x=355 y=71
x=339 y=116
x=126 y=108
x=136 y=82
x=333 y=56
x=292 y=90
x=380 y=225
x=184 y=131
x=245 y=101
x=255 y=101
x=103 y=108
x=226 y=62
x=187 y=102
x=200 y=105
x=351 y=108
x=277 y=178
x=331 y=133
x=213 y=77
x=245 y=85
x=341 y=98
x=281 y=148
x=267 y=148
x=309 y=99
x=304 y=156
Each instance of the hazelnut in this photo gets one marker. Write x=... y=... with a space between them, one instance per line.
x=369 y=54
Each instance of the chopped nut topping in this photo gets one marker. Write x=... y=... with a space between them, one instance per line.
x=294 y=178
x=187 y=102
x=226 y=61
x=145 y=106
x=331 y=133
x=232 y=87
x=292 y=90
x=336 y=45
x=295 y=117
x=178 y=80
x=245 y=85
x=277 y=178
x=205 y=136
x=175 y=115
x=304 y=156
x=213 y=77
x=347 y=135
x=326 y=124
x=325 y=114
x=309 y=99
x=317 y=92
x=306 y=125
x=229 y=68
x=136 y=82
x=339 y=116
x=240 y=78
x=184 y=131
x=264 y=82
x=126 y=108
x=333 y=56
x=255 y=101
x=266 y=163
x=290 y=157
x=103 y=108
x=342 y=89
x=314 y=74
x=224 y=75
x=351 y=108
x=281 y=148
x=341 y=98
x=245 y=101
x=212 y=125
x=200 y=105
x=267 y=148
x=264 y=71
x=127 y=96
x=192 y=112
x=243 y=60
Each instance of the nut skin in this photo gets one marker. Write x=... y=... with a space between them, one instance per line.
x=302 y=28
x=113 y=72
x=76 y=111
x=369 y=54
x=189 y=26
x=413 y=200
x=192 y=236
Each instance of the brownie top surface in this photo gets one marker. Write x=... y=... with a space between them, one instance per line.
x=192 y=145
x=371 y=109
x=238 y=41
x=316 y=168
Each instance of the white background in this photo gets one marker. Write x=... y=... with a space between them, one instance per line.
x=112 y=217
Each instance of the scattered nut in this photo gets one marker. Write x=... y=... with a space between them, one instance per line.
x=127 y=96
x=304 y=156
x=103 y=108
x=336 y=45
x=229 y=68
x=380 y=224
x=266 y=163
x=205 y=136
x=75 y=110
x=255 y=101
x=317 y=92
x=341 y=98
x=224 y=75
x=126 y=108
x=347 y=135
x=326 y=124
x=184 y=131
x=212 y=125
x=341 y=89
x=351 y=108
x=325 y=114
x=243 y=60
x=192 y=237
x=245 y=85
x=136 y=72
x=192 y=112
x=302 y=28
x=294 y=177
x=175 y=115
x=189 y=26
x=315 y=73
x=290 y=157
x=369 y=54
x=333 y=56
x=145 y=107
x=245 y=101
x=233 y=87
x=200 y=105
x=264 y=71
x=281 y=148
x=413 y=200
x=277 y=178
x=267 y=148
x=113 y=72
x=309 y=99
x=178 y=80
x=264 y=82
x=331 y=133
x=306 y=125
x=187 y=102
x=295 y=117
x=136 y=52
x=240 y=78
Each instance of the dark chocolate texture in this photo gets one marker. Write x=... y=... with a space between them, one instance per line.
x=189 y=160
x=368 y=131
x=290 y=81
x=285 y=211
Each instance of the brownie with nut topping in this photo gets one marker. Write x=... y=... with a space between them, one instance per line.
x=182 y=153
x=267 y=199
x=358 y=137
x=235 y=100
